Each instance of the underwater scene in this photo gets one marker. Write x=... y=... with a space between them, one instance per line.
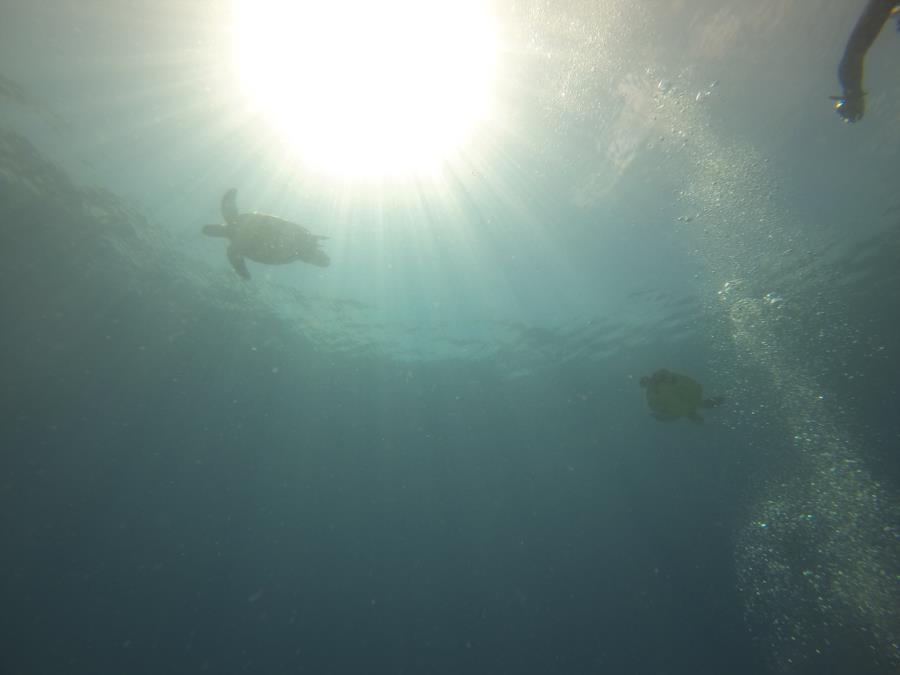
x=480 y=337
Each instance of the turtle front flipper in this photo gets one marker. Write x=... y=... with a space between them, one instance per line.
x=695 y=417
x=713 y=402
x=229 y=206
x=238 y=263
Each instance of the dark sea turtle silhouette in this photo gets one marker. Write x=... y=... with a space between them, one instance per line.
x=265 y=239
x=672 y=395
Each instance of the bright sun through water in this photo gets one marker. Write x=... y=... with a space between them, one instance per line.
x=368 y=88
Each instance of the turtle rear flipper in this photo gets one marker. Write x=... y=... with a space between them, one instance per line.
x=695 y=417
x=229 y=206
x=238 y=263
x=713 y=402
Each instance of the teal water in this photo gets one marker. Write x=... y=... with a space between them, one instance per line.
x=433 y=456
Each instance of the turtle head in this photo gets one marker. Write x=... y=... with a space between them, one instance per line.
x=313 y=254
x=215 y=231
x=319 y=258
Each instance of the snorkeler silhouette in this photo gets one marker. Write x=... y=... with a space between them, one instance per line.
x=850 y=104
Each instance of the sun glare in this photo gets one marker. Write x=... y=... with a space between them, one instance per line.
x=365 y=87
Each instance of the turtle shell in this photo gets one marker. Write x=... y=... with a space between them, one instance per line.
x=275 y=241
x=672 y=395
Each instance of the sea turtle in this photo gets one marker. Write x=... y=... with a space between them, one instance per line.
x=672 y=395
x=263 y=238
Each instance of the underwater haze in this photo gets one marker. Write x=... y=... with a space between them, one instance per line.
x=435 y=454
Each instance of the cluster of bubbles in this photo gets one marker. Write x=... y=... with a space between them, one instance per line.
x=666 y=87
x=818 y=559
x=817 y=556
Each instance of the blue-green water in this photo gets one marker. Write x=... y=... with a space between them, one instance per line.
x=434 y=456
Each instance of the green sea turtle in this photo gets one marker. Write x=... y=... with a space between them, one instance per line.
x=264 y=238
x=672 y=395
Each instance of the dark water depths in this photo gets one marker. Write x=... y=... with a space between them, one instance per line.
x=189 y=486
x=203 y=475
